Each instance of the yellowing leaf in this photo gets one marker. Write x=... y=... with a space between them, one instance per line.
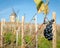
x=46 y=10
x=39 y=11
x=37 y=1
x=41 y=8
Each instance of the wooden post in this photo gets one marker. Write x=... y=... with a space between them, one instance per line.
x=17 y=33
x=22 y=46
x=17 y=38
x=30 y=28
x=1 y=33
x=2 y=23
x=36 y=31
x=54 y=30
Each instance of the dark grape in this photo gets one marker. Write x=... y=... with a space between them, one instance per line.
x=48 y=31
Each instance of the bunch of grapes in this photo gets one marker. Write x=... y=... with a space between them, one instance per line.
x=48 y=30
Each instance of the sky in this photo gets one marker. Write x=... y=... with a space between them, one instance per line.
x=28 y=8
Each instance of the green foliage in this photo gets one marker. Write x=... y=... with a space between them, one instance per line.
x=44 y=43
x=58 y=44
x=13 y=38
x=28 y=39
x=19 y=41
x=7 y=37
